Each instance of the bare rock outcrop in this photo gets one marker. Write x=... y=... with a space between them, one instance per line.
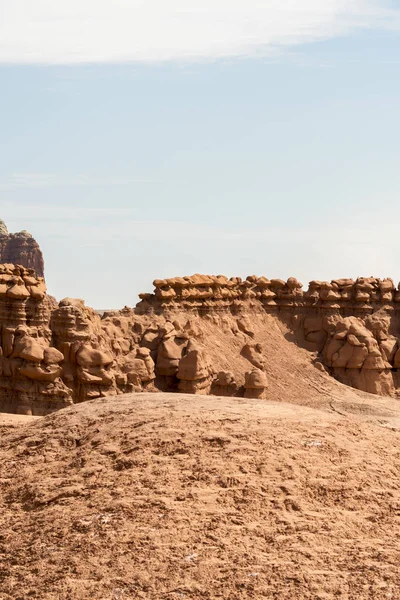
x=195 y=370
x=255 y=384
x=140 y=369
x=224 y=384
x=357 y=358
x=205 y=292
x=347 y=321
x=30 y=372
x=200 y=334
x=87 y=351
x=21 y=249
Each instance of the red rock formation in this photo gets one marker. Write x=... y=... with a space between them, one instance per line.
x=354 y=325
x=30 y=371
x=199 y=334
x=21 y=249
x=255 y=384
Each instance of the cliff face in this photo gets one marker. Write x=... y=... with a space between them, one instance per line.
x=30 y=371
x=20 y=248
x=200 y=335
x=352 y=327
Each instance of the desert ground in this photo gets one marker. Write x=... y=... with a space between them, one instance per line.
x=223 y=176
x=172 y=496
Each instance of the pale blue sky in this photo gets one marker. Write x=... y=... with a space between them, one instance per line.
x=158 y=159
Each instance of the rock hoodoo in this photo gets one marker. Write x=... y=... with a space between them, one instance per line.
x=30 y=371
x=20 y=248
x=199 y=334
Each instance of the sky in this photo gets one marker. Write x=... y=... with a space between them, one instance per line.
x=143 y=139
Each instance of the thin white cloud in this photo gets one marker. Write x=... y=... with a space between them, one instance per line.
x=50 y=180
x=93 y=31
x=57 y=214
x=88 y=225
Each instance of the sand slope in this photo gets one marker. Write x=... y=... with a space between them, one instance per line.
x=169 y=496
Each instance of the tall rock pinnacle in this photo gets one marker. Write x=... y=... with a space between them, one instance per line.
x=20 y=248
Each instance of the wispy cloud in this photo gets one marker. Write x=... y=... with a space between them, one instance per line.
x=93 y=31
x=59 y=215
x=89 y=225
x=50 y=180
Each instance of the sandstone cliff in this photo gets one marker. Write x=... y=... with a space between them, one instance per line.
x=30 y=371
x=20 y=248
x=201 y=335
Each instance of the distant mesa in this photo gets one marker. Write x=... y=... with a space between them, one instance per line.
x=21 y=249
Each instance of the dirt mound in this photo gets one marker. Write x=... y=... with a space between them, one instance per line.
x=164 y=496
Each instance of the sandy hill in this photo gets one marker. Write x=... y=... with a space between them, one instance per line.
x=167 y=496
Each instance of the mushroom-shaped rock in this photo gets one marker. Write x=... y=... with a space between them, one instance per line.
x=78 y=302
x=168 y=356
x=27 y=347
x=225 y=378
x=294 y=285
x=38 y=291
x=53 y=356
x=29 y=280
x=32 y=371
x=387 y=289
x=18 y=291
x=159 y=283
x=166 y=293
x=91 y=357
x=263 y=282
x=256 y=384
x=194 y=364
x=224 y=384
x=139 y=367
x=194 y=370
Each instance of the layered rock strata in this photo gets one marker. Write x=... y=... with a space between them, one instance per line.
x=353 y=324
x=199 y=334
x=20 y=248
x=30 y=371
x=204 y=292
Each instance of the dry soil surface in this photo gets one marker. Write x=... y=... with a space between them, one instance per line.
x=162 y=496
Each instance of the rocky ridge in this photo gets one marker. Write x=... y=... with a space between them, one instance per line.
x=200 y=335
